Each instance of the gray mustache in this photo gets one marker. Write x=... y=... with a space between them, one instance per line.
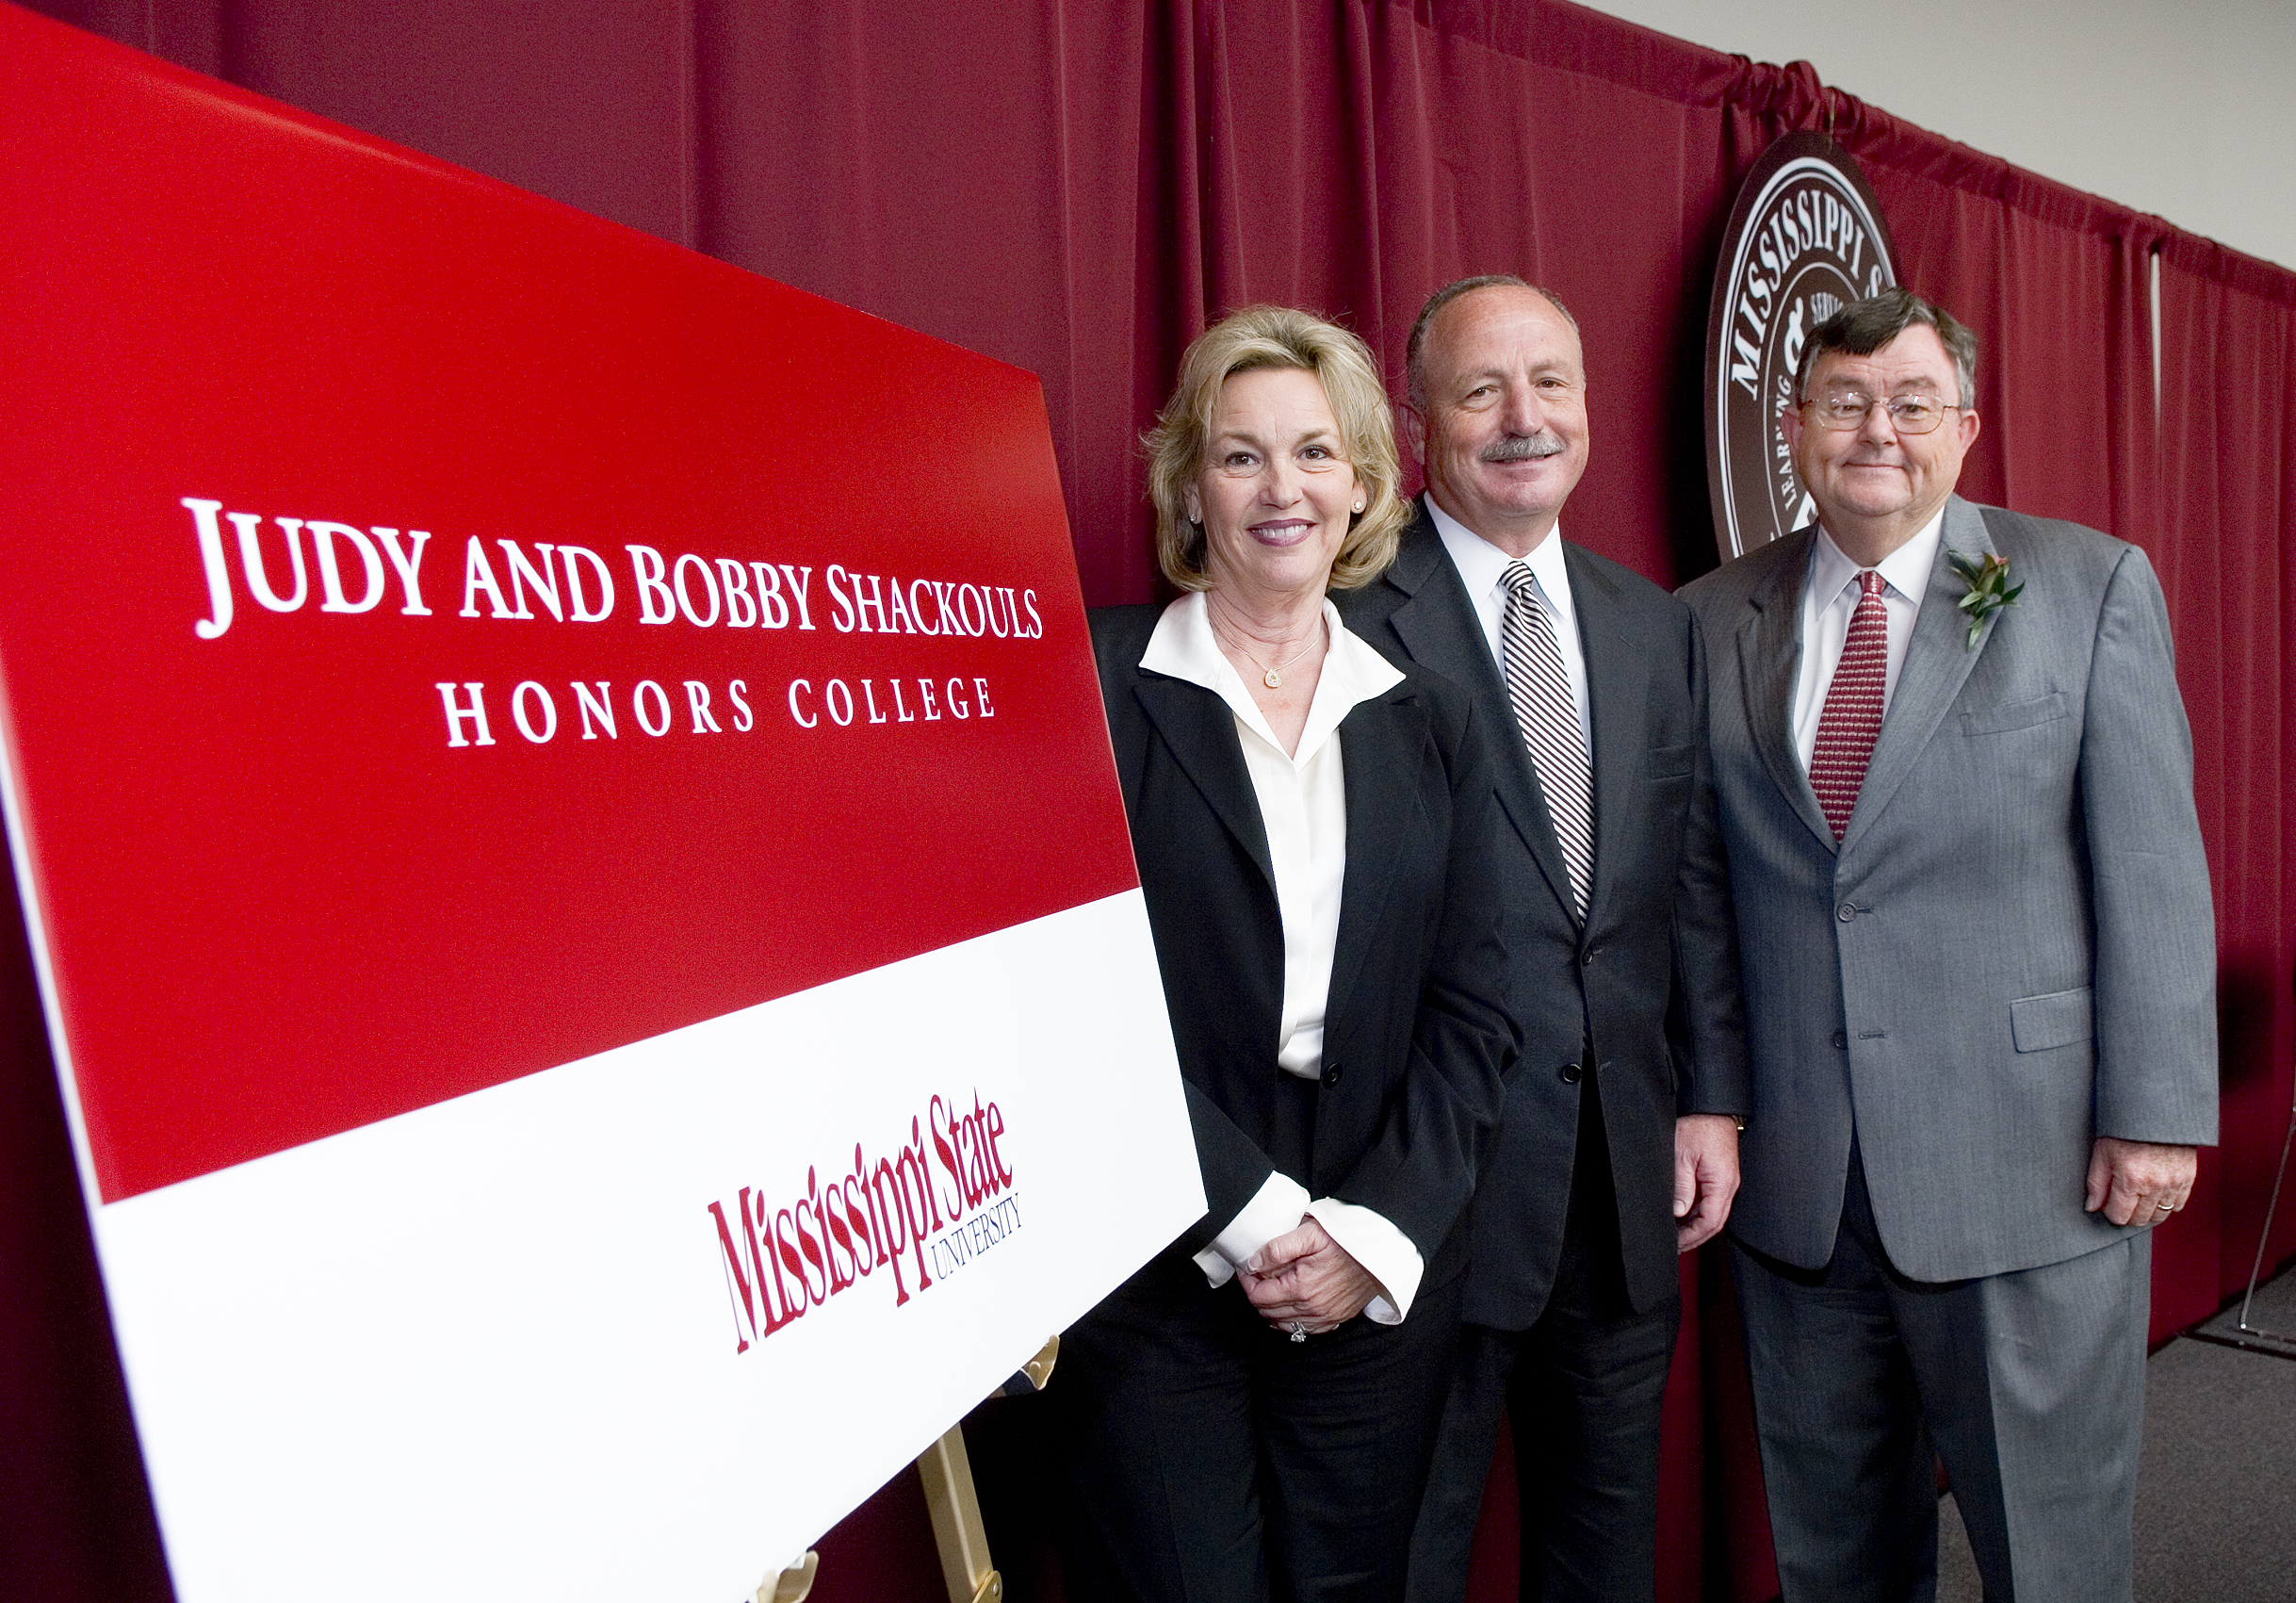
x=1526 y=448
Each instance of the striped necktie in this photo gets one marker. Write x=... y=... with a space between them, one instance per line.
x=1853 y=716
x=1540 y=688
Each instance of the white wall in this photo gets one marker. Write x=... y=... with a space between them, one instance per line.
x=2186 y=110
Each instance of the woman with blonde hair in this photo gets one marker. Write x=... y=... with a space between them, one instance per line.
x=1250 y=1416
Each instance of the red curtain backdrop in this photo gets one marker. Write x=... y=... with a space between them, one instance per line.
x=1076 y=188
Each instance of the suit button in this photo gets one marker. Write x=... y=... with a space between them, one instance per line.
x=1331 y=1073
x=1570 y=1073
x=1841 y=1042
x=1846 y=911
x=1587 y=959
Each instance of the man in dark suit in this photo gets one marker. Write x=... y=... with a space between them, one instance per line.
x=1619 y=1145
x=1957 y=793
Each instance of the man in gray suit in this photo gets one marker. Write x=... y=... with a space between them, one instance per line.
x=1979 y=970
x=1620 y=1147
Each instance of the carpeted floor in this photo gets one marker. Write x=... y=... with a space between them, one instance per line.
x=2215 y=1490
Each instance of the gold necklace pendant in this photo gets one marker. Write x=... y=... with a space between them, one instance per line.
x=1272 y=678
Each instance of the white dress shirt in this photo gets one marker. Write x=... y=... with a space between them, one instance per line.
x=1303 y=806
x=1828 y=601
x=1482 y=566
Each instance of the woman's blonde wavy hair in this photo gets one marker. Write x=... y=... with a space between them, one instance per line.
x=1278 y=336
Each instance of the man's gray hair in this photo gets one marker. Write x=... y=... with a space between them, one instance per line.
x=1414 y=350
x=1863 y=327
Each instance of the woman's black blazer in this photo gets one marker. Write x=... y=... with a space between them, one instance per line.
x=1417 y=1031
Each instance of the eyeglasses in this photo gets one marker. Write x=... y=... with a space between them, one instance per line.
x=1908 y=413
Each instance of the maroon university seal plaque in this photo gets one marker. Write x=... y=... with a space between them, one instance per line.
x=1805 y=237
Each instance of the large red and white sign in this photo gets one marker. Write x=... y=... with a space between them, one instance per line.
x=571 y=850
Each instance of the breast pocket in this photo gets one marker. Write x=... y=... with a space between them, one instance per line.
x=2012 y=716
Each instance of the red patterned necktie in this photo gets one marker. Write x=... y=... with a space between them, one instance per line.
x=1852 y=718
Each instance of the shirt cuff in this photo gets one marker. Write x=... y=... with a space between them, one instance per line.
x=1278 y=1206
x=1381 y=1249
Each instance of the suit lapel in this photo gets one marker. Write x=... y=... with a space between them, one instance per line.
x=1618 y=687
x=1769 y=662
x=1440 y=628
x=1938 y=662
x=1435 y=621
x=1199 y=731
x=1380 y=751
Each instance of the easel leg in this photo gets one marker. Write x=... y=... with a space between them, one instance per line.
x=947 y=1473
x=793 y=1584
x=955 y=1506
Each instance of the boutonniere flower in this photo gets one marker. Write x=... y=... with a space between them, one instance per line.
x=1989 y=589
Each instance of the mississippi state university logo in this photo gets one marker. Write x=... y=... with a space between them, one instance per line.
x=1805 y=237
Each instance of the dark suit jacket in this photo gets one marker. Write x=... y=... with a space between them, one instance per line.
x=1653 y=980
x=1416 y=1034
x=2011 y=951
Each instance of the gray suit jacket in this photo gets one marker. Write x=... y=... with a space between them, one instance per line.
x=2011 y=952
x=1652 y=979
